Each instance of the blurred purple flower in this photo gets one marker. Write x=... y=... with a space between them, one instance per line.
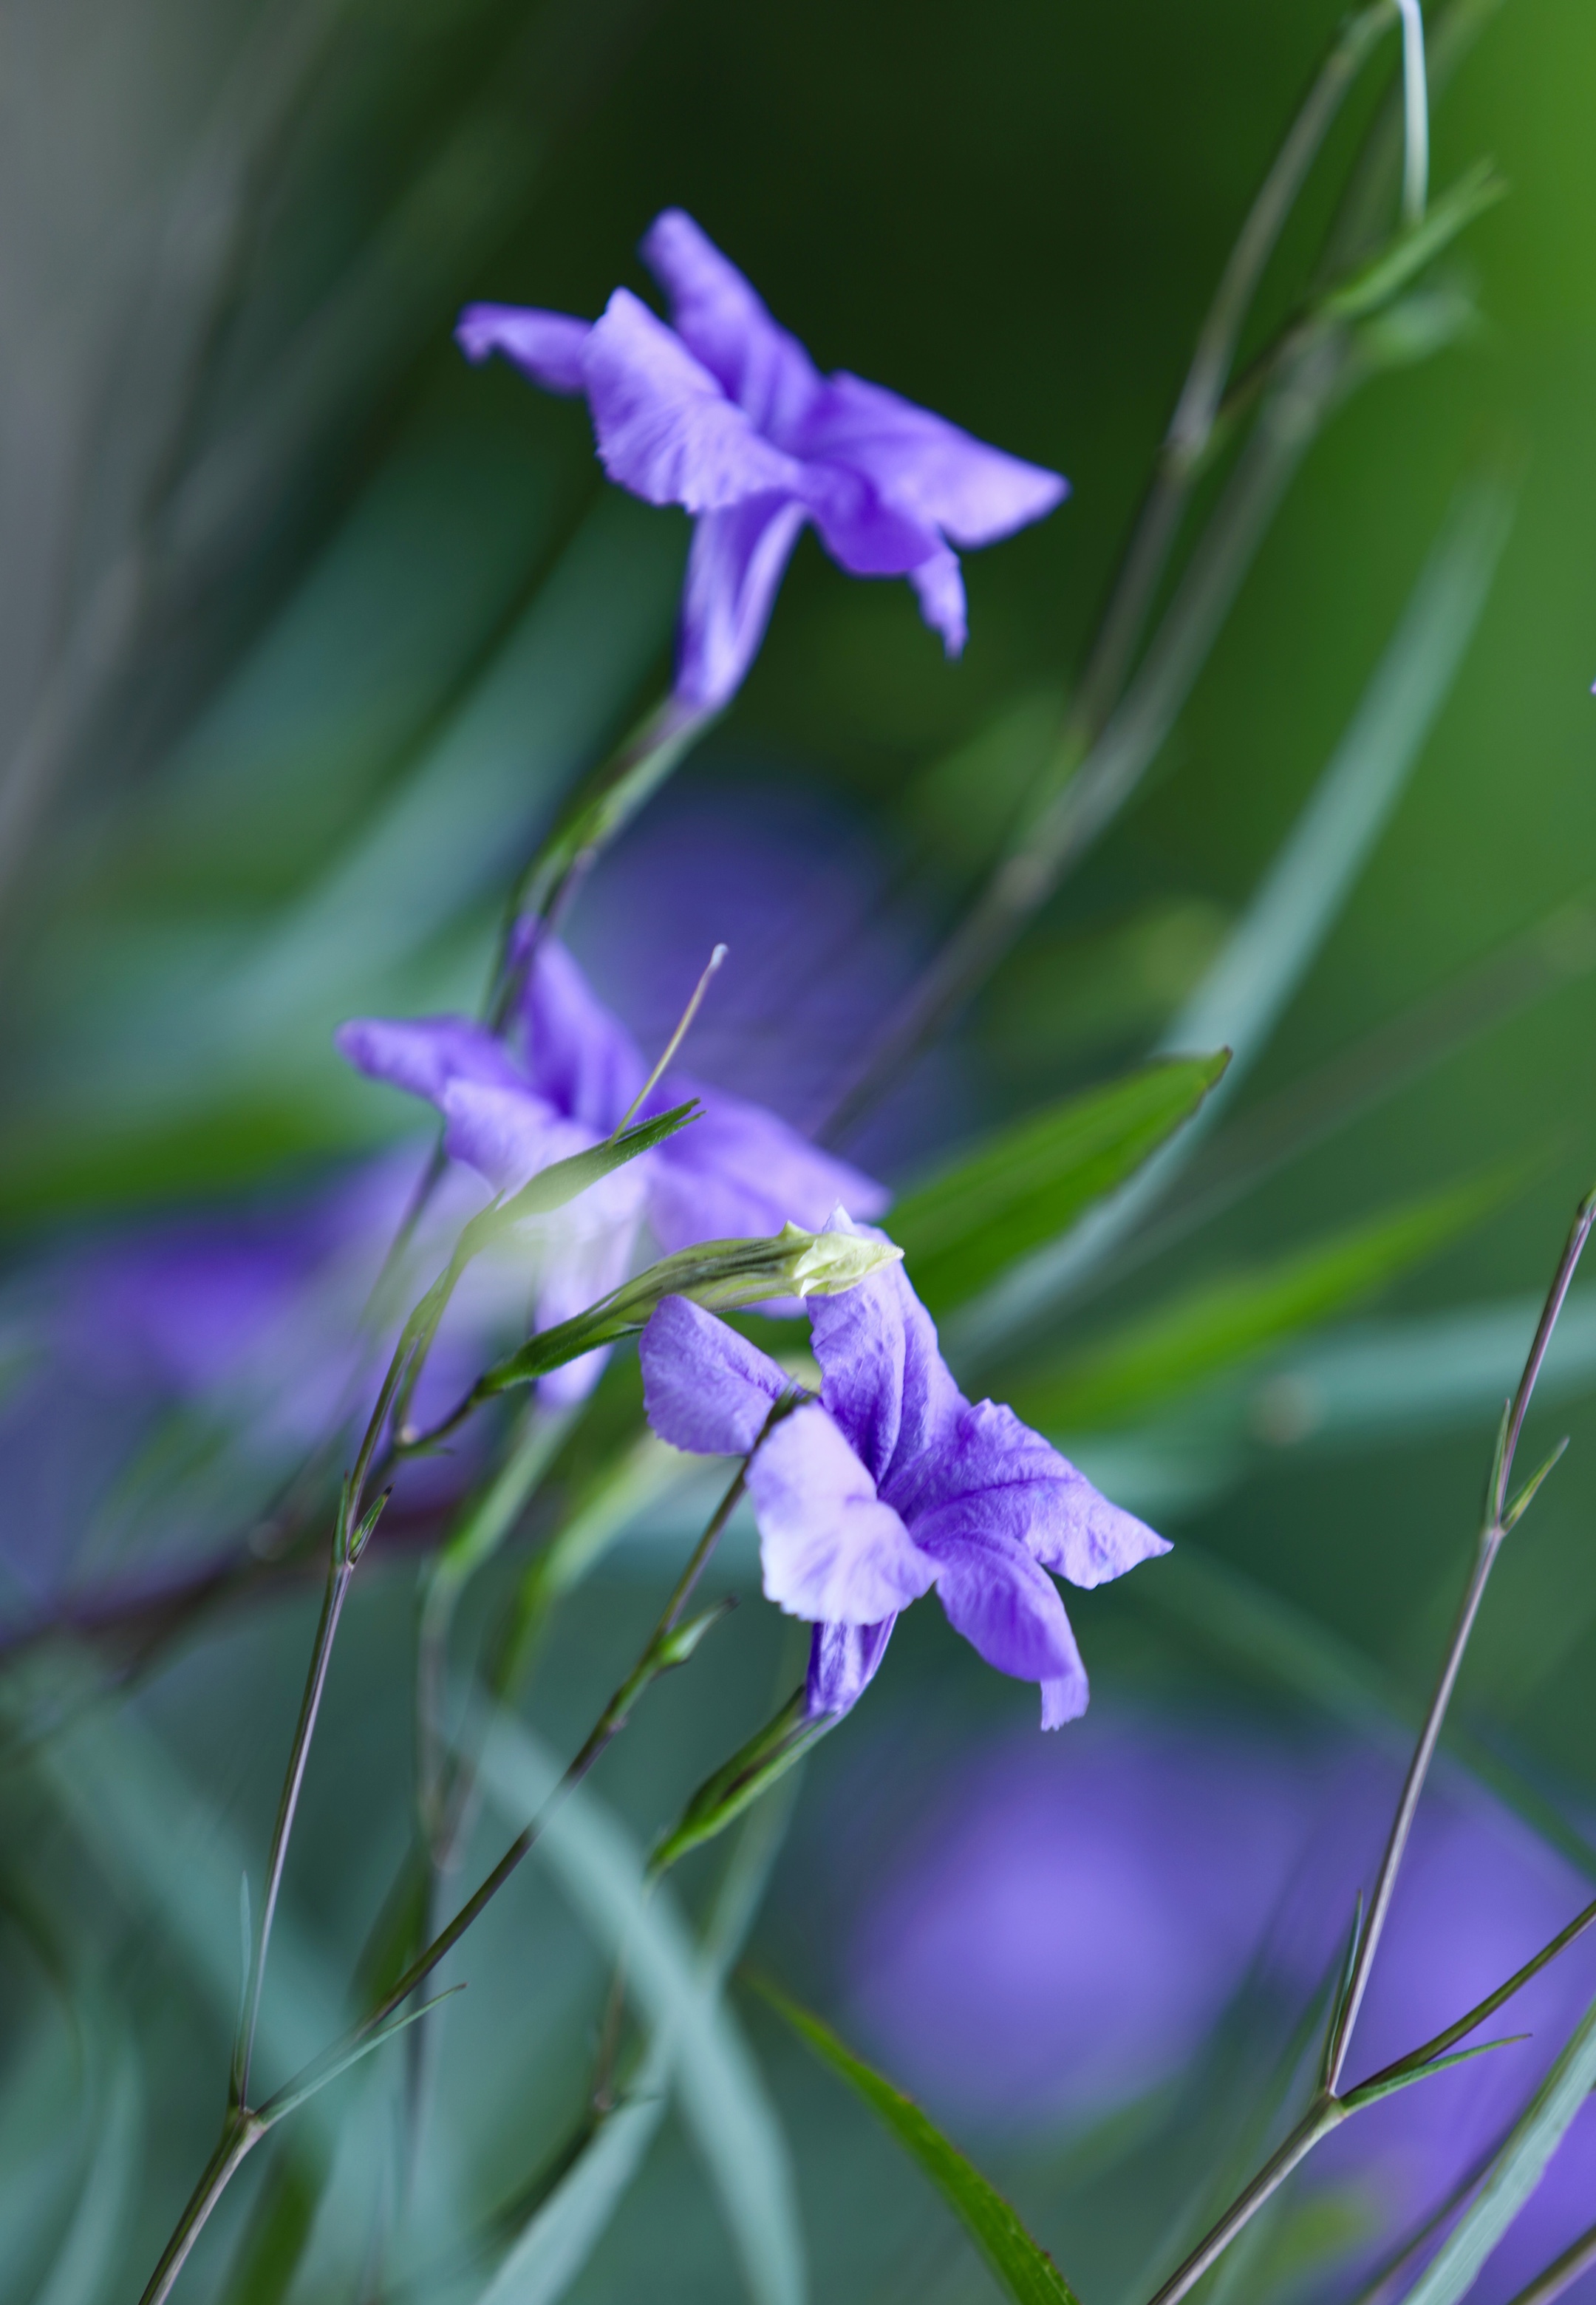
x=736 y=1171
x=889 y=1484
x=726 y=416
x=1065 y=1926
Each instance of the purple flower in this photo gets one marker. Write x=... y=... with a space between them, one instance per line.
x=736 y=1172
x=726 y=416
x=888 y=1484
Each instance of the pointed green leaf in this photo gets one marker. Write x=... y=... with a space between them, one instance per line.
x=1218 y=1324
x=1026 y=2271
x=553 y=1186
x=750 y=1773
x=1028 y=1182
x=1372 y=2092
x=1478 y=188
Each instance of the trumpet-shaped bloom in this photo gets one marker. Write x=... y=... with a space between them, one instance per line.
x=736 y=1171
x=889 y=1484
x=725 y=414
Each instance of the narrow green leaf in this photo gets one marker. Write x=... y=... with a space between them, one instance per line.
x=1026 y=2271
x=289 y=2100
x=750 y=1773
x=552 y=1188
x=1027 y=1183
x=1372 y=2092
x=723 y=2103
x=1526 y=1496
x=92 y=2245
x=1514 y=2173
x=1218 y=1324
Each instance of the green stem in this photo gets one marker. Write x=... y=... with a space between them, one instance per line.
x=1322 y=2115
x=243 y=2133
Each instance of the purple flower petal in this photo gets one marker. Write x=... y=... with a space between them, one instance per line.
x=1007 y=1607
x=665 y=427
x=1000 y=1477
x=740 y=1171
x=940 y=586
x=843 y=1662
x=579 y=1055
x=884 y=1380
x=424 y=1054
x=508 y=1134
x=831 y=1550
x=705 y=1388
x=734 y=569
x=726 y=324
x=863 y=530
x=930 y=469
x=548 y=345
x=589 y=1251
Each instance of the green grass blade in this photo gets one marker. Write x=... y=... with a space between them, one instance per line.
x=1025 y=2271
x=1026 y=1183
x=1271 y=951
x=1514 y=2173
x=93 y=2243
x=1218 y=1324
x=722 y=2096
x=562 y=1180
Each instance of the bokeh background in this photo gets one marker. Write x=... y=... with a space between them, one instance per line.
x=307 y=627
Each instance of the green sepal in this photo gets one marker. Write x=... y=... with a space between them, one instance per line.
x=1022 y=2267
x=679 y=1644
x=721 y=1799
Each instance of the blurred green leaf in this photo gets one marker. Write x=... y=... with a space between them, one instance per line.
x=1026 y=1183
x=1245 y=993
x=1025 y=2271
x=91 y=2247
x=1514 y=2173
x=723 y=2097
x=1211 y=1328
x=1479 y=188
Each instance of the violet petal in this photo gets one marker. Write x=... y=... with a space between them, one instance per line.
x=725 y=324
x=940 y=586
x=1005 y=1605
x=843 y=1662
x=739 y=1171
x=665 y=427
x=548 y=346
x=579 y=1054
x=930 y=469
x=734 y=569
x=884 y=1379
x=705 y=1388
x=423 y=1054
x=507 y=1134
x=831 y=1550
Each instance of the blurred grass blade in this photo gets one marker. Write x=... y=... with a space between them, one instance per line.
x=1211 y=1328
x=560 y=2236
x=1479 y=188
x=1027 y=2273
x=92 y=2248
x=723 y=2099
x=1028 y=1182
x=1514 y=2173
x=1244 y=996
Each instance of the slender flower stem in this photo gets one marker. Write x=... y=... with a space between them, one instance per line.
x=664 y=1648
x=1562 y=2272
x=1330 y=2106
x=1321 y=2116
x=1496 y=1524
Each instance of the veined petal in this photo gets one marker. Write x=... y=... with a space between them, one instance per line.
x=884 y=1379
x=423 y=1054
x=741 y=1172
x=940 y=586
x=665 y=426
x=831 y=1550
x=727 y=325
x=579 y=1054
x=926 y=467
x=507 y=1134
x=1008 y=1608
x=997 y=1477
x=734 y=569
x=705 y=1388
x=548 y=345
x=864 y=530
x=843 y=1662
